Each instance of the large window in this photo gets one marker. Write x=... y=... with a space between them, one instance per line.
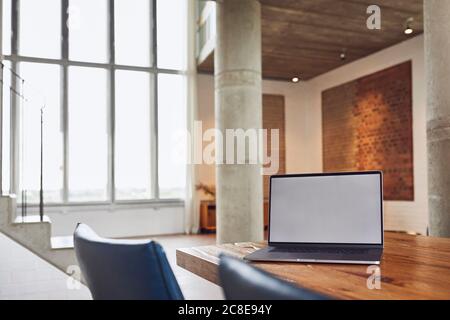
x=42 y=90
x=108 y=77
x=39 y=28
x=88 y=134
x=133 y=143
x=171 y=119
x=88 y=30
x=133 y=19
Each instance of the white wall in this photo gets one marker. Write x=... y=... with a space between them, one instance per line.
x=304 y=124
x=205 y=98
x=117 y=220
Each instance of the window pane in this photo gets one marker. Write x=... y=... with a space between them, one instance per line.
x=132 y=160
x=6 y=25
x=88 y=138
x=42 y=90
x=40 y=28
x=88 y=30
x=171 y=23
x=171 y=135
x=132 y=32
x=6 y=126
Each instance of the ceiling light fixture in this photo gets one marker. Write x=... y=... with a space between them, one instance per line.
x=295 y=79
x=408 y=26
x=343 y=54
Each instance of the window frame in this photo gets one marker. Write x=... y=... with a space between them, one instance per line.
x=64 y=62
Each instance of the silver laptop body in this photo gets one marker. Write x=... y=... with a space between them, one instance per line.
x=325 y=218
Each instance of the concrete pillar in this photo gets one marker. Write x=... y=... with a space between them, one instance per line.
x=238 y=104
x=437 y=65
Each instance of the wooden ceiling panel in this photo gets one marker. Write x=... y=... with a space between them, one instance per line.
x=305 y=37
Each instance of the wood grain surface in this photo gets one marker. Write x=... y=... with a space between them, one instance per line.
x=412 y=267
x=305 y=38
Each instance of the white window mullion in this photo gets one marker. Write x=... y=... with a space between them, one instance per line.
x=64 y=96
x=112 y=103
x=154 y=104
x=14 y=145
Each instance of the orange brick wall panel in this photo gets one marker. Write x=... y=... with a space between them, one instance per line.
x=367 y=125
x=274 y=118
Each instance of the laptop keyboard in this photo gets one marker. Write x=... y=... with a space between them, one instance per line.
x=321 y=250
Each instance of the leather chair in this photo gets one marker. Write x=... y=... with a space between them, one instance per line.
x=241 y=281
x=124 y=269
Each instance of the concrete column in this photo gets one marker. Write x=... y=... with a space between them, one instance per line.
x=437 y=65
x=238 y=105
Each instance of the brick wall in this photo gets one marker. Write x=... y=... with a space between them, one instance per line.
x=367 y=125
x=273 y=118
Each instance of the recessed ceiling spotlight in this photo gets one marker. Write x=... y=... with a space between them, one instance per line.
x=343 y=54
x=408 y=26
x=408 y=31
x=295 y=79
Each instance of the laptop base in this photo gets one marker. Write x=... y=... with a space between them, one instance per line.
x=282 y=254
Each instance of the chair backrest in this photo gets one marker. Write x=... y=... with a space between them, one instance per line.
x=241 y=281
x=124 y=269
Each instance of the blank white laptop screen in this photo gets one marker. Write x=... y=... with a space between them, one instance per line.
x=326 y=209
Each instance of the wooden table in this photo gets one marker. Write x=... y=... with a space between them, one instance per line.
x=412 y=267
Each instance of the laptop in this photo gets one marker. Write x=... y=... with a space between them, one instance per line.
x=325 y=218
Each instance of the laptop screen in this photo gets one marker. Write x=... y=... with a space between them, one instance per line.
x=335 y=208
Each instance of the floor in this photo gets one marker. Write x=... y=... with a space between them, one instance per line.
x=193 y=287
x=23 y=275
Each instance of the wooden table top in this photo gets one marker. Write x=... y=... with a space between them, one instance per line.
x=412 y=267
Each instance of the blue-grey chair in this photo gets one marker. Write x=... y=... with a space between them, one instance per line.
x=241 y=281
x=124 y=269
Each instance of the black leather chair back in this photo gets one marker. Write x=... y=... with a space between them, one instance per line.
x=124 y=269
x=241 y=281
